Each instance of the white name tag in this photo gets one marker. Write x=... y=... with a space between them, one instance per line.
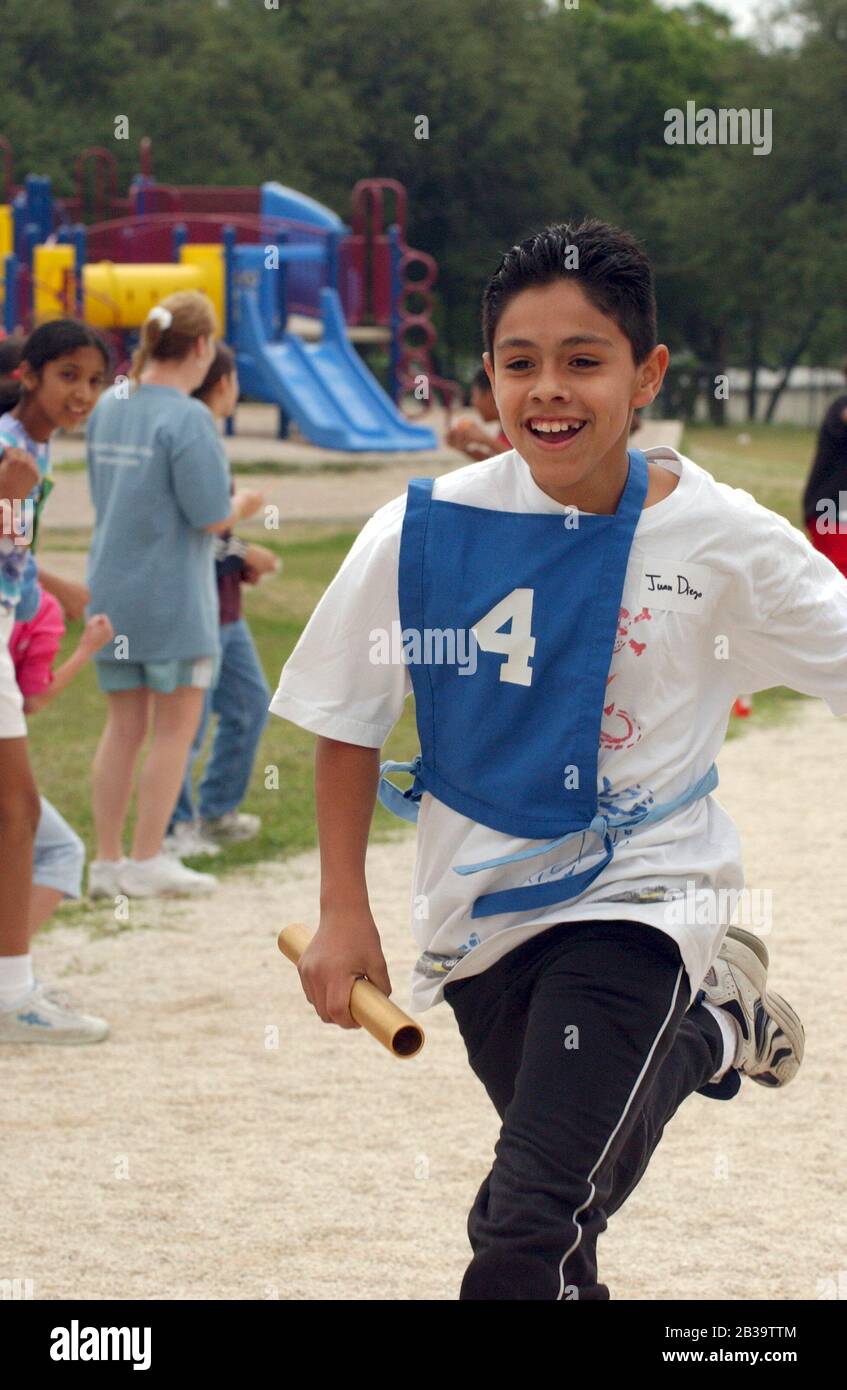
x=674 y=584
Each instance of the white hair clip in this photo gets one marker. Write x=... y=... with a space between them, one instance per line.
x=161 y=315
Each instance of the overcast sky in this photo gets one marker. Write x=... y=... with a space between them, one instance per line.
x=747 y=15
x=743 y=12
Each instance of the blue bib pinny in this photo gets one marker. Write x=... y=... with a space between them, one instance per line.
x=514 y=743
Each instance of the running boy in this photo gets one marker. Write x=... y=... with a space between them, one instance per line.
x=618 y=604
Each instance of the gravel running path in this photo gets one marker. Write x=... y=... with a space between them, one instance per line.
x=189 y=1157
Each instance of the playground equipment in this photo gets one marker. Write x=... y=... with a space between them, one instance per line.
x=293 y=287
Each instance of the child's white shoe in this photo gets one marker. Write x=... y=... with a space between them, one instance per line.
x=186 y=839
x=160 y=876
x=770 y=1035
x=231 y=828
x=43 y=1016
x=103 y=877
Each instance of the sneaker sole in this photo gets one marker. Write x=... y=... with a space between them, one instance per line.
x=54 y=1040
x=788 y=1051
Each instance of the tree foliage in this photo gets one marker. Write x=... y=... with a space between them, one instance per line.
x=535 y=111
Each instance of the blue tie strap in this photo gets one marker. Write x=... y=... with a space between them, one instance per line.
x=536 y=895
x=403 y=804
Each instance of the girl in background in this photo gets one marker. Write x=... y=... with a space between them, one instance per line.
x=59 y=375
x=58 y=852
x=159 y=481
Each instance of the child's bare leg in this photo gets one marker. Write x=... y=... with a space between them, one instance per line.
x=43 y=904
x=19 y=812
x=114 y=763
x=175 y=720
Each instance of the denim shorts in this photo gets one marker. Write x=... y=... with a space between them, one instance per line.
x=164 y=676
x=58 y=853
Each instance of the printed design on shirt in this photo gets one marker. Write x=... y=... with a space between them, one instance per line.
x=620 y=729
x=434 y=964
x=12 y=562
x=624 y=802
x=121 y=455
x=653 y=893
x=627 y=801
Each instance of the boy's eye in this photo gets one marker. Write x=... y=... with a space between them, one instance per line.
x=584 y=362
x=518 y=364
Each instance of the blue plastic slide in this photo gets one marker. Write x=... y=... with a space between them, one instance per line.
x=324 y=387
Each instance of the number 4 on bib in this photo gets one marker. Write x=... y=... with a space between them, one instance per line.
x=518 y=644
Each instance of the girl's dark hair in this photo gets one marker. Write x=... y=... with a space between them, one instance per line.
x=223 y=364
x=45 y=343
x=610 y=267
x=11 y=356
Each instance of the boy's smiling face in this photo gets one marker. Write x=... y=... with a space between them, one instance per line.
x=560 y=362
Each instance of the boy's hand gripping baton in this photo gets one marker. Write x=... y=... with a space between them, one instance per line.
x=368 y=1005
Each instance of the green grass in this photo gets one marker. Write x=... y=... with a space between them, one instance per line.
x=261 y=465
x=773 y=466
x=63 y=737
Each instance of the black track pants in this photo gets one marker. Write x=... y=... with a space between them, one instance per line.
x=585 y=1042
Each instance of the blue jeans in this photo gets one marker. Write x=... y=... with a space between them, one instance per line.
x=240 y=700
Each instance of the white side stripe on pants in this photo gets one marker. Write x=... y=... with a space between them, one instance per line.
x=589 y=1199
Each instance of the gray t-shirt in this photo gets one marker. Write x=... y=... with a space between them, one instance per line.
x=158 y=475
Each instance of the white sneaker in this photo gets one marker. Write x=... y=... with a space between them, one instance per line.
x=232 y=827
x=186 y=839
x=160 y=876
x=770 y=1035
x=43 y=1016
x=103 y=877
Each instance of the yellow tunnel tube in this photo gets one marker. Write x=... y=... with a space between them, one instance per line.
x=7 y=245
x=121 y=296
x=7 y=230
x=209 y=256
x=50 y=267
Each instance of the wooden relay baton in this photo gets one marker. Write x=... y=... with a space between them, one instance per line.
x=368 y=1005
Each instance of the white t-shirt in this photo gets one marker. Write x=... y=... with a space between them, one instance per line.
x=759 y=607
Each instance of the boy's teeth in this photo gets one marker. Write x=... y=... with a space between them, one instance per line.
x=550 y=427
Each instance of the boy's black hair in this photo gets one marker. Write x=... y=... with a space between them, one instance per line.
x=610 y=267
